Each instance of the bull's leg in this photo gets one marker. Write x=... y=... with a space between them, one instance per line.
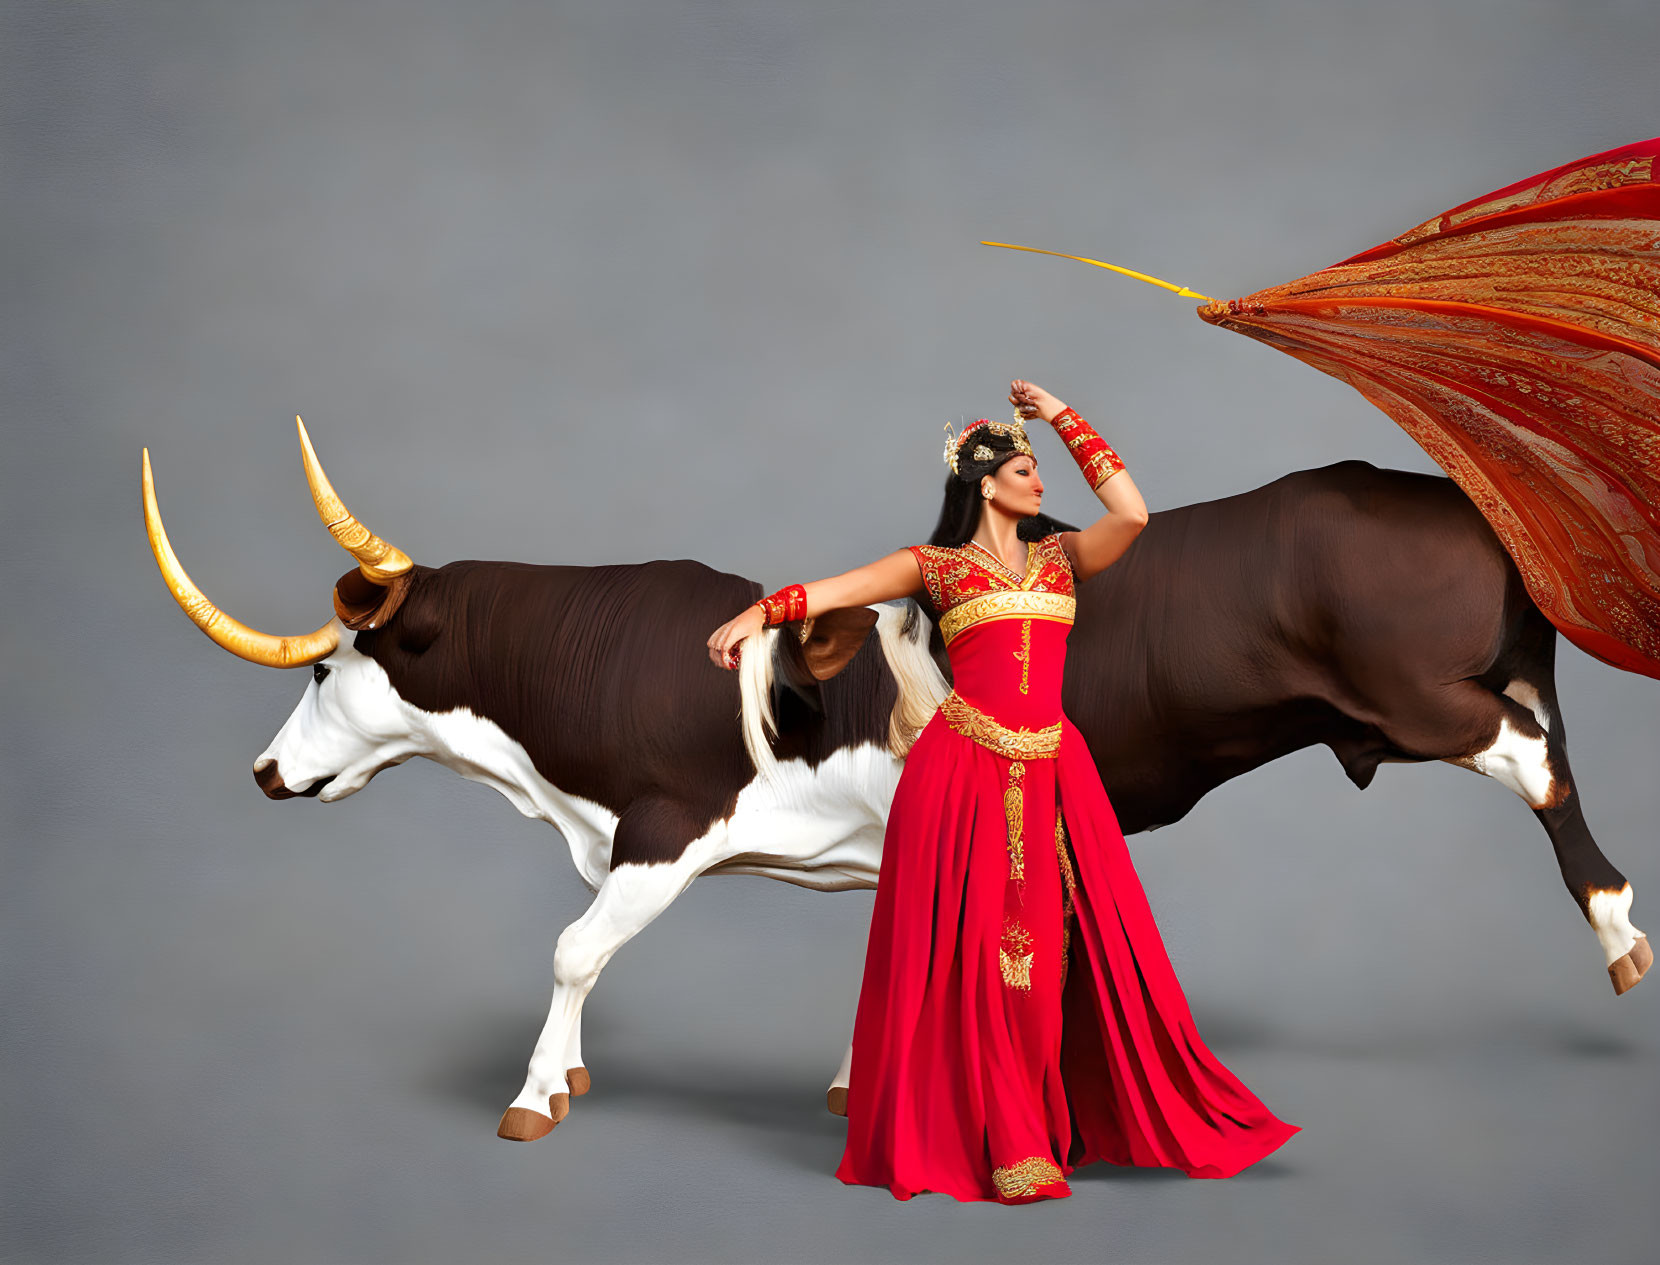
x=1510 y=729
x=1602 y=892
x=576 y=1073
x=1529 y=753
x=836 y=1097
x=633 y=894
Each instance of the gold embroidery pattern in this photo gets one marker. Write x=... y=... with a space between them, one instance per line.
x=1015 y=744
x=1014 y=811
x=1024 y=1178
x=1102 y=466
x=1063 y=562
x=976 y=610
x=1014 y=956
x=1024 y=654
x=1548 y=443
x=930 y=574
x=1001 y=567
x=1580 y=180
x=953 y=575
x=1069 y=890
x=1014 y=432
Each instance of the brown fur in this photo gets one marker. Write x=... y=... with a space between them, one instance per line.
x=1372 y=611
x=603 y=676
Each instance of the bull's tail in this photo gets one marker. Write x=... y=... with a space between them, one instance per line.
x=760 y=726
x=922 y=686
x=903 y=633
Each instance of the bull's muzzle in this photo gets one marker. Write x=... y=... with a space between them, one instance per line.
x=270 y=781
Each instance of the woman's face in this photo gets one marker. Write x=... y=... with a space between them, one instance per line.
x=1019 y=490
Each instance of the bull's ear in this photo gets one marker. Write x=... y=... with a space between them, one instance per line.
x=800 y=662
x=363 y=604
x=833 y=638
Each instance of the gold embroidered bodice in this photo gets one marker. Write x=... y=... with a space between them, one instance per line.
x=1005 y=634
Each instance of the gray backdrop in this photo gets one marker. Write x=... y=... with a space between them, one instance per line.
x=630 y=280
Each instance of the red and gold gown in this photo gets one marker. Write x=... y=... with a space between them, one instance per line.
x=1019 y=1015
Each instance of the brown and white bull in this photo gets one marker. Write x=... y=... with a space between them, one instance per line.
x=1370 y=610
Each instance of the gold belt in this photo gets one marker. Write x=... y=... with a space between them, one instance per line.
x=1011 y=603
x=1016 y=744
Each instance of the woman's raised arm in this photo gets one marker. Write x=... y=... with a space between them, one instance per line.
x=894 y=576
x=1099 y=545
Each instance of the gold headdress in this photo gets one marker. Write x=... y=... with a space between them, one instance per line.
x=1014 y=431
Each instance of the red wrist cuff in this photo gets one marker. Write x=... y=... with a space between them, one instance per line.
x=1093 y=454
x=785 y=606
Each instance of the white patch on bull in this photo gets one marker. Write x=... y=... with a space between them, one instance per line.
x=817 y=827
x=347 y=727
x=1609 y=914
x=1517 y=760
x=1529 y=698
x=480 y=750
x=353 y=724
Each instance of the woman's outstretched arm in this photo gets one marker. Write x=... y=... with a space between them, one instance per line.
x=894 y=576
x=1099 y=545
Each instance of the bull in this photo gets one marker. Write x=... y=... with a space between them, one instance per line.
x=1373 y=611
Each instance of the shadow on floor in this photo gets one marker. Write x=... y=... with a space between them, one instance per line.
x=485 y=1067
x=1480 y=1037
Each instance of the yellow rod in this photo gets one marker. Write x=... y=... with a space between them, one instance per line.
x=1139 y=276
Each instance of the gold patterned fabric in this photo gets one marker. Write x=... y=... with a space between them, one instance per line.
x=1016 y=744
x=1014 y=812
x=1516 y=338
x=1015 y=1181
x=1069 y=890
x=1095 y=457
x=1014 y=432
x=1014 y=956
x=952 y=574
x=1012 y=603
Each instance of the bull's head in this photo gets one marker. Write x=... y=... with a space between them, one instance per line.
x=350 y=724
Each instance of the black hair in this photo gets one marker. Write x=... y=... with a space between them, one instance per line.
x=960 y=511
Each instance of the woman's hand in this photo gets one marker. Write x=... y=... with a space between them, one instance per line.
x=723 y=644
x=1030 y=400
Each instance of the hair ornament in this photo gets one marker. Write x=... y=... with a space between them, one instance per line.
x=1014 y=431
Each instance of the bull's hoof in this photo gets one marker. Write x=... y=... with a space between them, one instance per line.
x=836 y=1100
x=520 y=1124
x=1625 y=972
x=577 y=1079
x=559 y=1105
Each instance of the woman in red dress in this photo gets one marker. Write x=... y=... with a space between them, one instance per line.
x=1019 y=1015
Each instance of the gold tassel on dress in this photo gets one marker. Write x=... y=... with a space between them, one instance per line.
x=1016 y=1181
x=1069 y=890
x=1014 y=810
x=1015 y=954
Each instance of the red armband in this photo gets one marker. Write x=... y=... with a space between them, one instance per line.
x=785 y=606
x=1093 y=454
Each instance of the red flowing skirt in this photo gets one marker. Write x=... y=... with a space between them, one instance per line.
x=999 y=1044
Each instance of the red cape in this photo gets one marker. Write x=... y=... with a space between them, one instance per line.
x=1517 y=338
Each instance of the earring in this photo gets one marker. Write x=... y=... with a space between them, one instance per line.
x=988 y=490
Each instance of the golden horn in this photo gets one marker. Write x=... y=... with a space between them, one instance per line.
x=238 y=638
x=380 y=562
x=1139 y=276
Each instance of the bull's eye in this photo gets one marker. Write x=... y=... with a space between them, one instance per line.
x=318 y=672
